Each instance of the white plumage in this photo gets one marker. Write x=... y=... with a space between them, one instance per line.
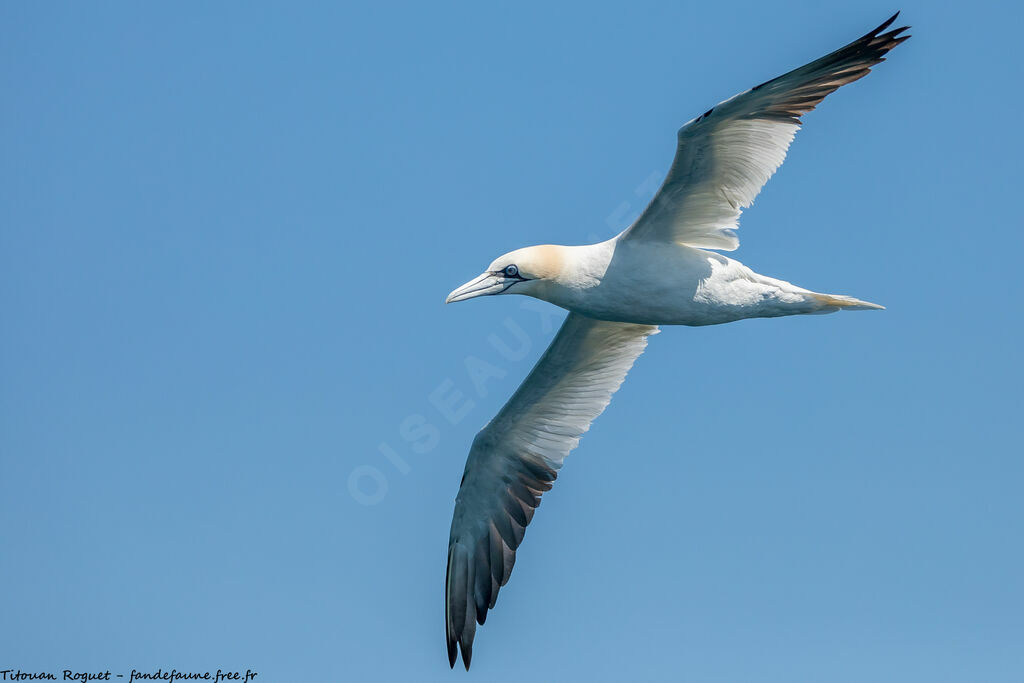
x=656 y=272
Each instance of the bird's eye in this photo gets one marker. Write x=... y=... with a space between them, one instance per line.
x=511 y=271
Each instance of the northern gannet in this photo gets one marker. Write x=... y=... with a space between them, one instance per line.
x=656 y=272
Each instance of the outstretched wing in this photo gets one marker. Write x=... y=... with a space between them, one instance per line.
x=726 y=155
x=515 y=458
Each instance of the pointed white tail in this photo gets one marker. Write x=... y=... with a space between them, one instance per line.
x=837 y=301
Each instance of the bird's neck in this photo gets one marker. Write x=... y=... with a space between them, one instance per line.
x=583 y=266
x=580 y=269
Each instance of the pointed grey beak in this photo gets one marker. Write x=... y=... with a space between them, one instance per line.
x=485 y=284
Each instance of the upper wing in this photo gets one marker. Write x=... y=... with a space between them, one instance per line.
x=725 y=156
x=515 y=458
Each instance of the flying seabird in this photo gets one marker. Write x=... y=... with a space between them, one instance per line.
x=656 y=272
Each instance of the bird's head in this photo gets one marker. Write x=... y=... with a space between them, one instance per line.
x=523 y=271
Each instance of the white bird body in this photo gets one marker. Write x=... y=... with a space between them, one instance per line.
x=657 y=272
x=653 y=283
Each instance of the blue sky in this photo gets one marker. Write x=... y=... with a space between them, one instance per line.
x=226 y=233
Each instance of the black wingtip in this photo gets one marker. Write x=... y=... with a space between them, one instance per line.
x=467 y=655
x=885 y=25
x=449 y=633
x=888 y=22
